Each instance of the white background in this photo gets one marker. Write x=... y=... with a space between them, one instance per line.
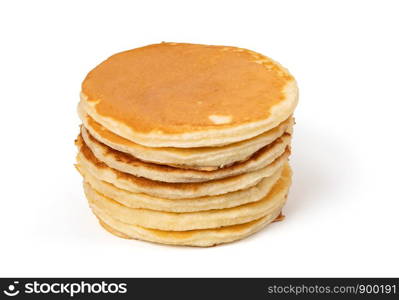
x=342 y=214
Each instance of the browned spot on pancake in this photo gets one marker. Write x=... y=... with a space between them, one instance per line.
x=279 y=218
x=174 y=88
x=88 y=154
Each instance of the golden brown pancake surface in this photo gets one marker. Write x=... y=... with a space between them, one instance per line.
x=177 y=88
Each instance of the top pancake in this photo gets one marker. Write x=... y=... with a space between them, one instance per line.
x=188 y=95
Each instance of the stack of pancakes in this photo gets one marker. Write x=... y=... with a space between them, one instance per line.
x=186 y=144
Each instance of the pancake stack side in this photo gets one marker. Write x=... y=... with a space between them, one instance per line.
x=186 y=144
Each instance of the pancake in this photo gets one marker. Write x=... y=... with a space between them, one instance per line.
x=87 y=162
x=188 y=95
x=198 y=238
x=140 y=200
x=129 y=164
x=195 y=220
x=203 y=158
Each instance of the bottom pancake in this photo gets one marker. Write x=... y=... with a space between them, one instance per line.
x=198 y=238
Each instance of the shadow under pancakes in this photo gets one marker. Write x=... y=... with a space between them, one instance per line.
x=322 y=165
